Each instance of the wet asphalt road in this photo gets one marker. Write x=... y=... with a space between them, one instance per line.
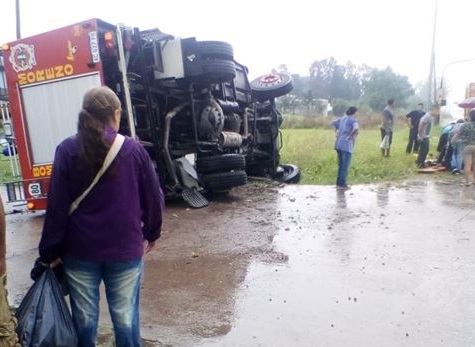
x=379 y=265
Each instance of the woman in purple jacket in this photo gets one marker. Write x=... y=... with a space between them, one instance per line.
x=118 y=221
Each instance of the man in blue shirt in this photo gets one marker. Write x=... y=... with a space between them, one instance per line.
x=346 y=129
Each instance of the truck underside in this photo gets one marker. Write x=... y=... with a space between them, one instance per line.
x=204 y=124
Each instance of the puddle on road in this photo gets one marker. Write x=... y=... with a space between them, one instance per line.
x=373 y=264
x=305 y=266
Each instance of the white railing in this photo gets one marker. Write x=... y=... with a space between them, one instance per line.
x=14 y=188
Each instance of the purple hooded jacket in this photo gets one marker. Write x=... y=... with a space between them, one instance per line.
x=119 y=213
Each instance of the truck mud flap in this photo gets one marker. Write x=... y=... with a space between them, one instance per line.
x=191 y=188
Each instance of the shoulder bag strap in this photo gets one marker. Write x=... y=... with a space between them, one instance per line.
x=115 y=148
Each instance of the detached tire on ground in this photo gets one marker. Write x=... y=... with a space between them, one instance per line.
x=224 y=180
x=290 y=174
x=225 y=162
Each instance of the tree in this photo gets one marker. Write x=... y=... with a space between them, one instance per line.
x=288 y=103
x=381 y=85
x=321 y=75
x=308 y=100
x=329 y=80
x=343 y=86
x=283 y=68
x=339 y=106
x=301 y=84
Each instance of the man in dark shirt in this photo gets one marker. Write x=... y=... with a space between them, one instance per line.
x=413 y=118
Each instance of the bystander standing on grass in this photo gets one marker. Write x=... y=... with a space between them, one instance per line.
x=423 y=136
x=413 y=119
x=346 y=129
x=312 y=150
x=387 y=127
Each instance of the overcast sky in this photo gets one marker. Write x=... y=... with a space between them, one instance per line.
x=265 y=34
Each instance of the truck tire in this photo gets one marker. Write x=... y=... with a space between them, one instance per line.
x=220 y=163
x=224 y=180
x=218 y=70
x=290 y=174
x=271 y=86
x=215 y=50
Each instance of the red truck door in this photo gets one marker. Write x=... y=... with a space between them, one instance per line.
x=47 y=76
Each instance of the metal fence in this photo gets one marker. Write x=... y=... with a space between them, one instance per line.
x=8 y=146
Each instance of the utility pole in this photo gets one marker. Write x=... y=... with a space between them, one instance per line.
x=18 y=26
x=432 y=83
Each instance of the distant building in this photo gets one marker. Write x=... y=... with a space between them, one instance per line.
x=3 y=81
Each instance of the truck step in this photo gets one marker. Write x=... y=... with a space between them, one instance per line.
x=194 y=198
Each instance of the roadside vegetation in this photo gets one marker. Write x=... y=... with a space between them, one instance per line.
x=5 y=169
x=308 y=143
x=325 y=94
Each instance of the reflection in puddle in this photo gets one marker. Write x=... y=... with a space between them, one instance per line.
x=382 y=195
x=355 y=261
x=341 y=199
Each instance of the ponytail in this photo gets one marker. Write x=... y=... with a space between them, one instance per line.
x=92 y=145
x=99 y=106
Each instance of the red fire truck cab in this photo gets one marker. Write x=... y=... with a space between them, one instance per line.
x=180 y=97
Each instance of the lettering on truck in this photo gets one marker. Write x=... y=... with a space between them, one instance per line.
x=47 y=74
x=42 y=171
x=94 y=45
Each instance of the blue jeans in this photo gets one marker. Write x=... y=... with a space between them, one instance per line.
x=344 y=159
x=122 y=284
x=457 y=160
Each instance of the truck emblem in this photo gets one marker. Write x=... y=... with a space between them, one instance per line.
x=22 y=57
x=71 y=51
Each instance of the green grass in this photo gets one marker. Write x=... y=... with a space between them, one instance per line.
x=312 y=151
x=6 y=174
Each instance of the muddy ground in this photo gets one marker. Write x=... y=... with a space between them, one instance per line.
x=378 y=265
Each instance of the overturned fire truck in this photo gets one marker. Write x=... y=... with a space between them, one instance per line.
x=188 y=102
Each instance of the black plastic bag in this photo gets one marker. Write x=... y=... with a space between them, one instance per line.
x=44 y=319
x=38 y=269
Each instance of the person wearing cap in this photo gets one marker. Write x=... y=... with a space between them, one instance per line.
x=346 y=129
